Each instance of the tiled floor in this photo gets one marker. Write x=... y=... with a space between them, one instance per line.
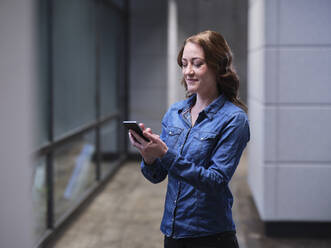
x=128 y=212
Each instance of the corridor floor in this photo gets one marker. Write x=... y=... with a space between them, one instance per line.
x=127 y=214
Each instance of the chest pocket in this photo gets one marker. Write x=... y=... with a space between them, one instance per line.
x=204 y=143
x=173 y=134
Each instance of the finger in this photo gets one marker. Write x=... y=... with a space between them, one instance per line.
x=131 y=138
x=153 y=137
x=138 y=138
x=142 y=126
x=134 y=142
x=148 y=130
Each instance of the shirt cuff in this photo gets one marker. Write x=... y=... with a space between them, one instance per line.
x=149 y=169
x=168 y=159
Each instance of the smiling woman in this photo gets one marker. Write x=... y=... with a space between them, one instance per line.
x=218 y=56
x=199 y=149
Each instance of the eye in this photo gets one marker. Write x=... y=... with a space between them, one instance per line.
x=198 y=64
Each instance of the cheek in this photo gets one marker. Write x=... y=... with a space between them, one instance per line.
x=209 y=75
x=202 y=73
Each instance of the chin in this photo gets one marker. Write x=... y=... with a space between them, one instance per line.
x=191 y=89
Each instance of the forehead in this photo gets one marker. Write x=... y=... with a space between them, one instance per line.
x=192 y=50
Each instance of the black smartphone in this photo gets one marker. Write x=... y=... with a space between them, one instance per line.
x=133 y=125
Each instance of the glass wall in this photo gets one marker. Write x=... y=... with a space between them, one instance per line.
x=109 y=147
x=39 y=197
x=82 y=64
x=74 y=172
x=43 y=85
x=110 y=34
x=73 y=64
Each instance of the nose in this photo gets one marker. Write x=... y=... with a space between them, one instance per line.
x=188 y=70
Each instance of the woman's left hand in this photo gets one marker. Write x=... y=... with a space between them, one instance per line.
x=151 y=150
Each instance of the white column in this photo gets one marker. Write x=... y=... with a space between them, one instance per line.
x=290 y=109
x=174 y=87
x=17 y=51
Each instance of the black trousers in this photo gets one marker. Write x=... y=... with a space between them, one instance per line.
x=222 y=240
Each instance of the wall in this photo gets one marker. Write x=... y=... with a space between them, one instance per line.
x=148 y=62
x=16 y=86
x=228 y=17
x=290 y=109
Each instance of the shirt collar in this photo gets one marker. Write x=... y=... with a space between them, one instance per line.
x=210 y=110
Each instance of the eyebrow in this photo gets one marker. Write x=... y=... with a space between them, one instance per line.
x=194 y=58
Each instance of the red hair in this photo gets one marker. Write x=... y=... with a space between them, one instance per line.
x=218 y=57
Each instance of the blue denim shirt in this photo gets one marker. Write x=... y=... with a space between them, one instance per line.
x=199 y=163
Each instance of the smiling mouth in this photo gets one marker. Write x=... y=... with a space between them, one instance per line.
x=191 y=80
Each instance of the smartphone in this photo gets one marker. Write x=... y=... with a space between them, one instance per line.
x=133 y=125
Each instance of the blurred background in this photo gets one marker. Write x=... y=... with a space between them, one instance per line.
x=72 y=70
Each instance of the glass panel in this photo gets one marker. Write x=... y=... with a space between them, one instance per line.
x=74 y=70
x=39 y=198
x=42 y=86
x=119 y=3
x=74 y=172
x=109 y=146
x=109 y=59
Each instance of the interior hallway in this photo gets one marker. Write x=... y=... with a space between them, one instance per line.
x=128 y=212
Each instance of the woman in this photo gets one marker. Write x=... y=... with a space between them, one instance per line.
x=200 y=147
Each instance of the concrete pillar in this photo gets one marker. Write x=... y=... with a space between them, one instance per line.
x=290 y=109
x=176 y=91
x=17 y=28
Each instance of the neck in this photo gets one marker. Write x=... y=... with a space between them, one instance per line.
x=203 y=101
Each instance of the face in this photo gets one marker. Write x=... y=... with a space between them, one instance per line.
x=198 y=77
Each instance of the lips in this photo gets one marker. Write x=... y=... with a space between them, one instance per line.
x=190 y=80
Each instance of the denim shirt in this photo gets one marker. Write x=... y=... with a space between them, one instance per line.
x=199 y=163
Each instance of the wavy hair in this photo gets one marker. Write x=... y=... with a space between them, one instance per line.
x=218 y=57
